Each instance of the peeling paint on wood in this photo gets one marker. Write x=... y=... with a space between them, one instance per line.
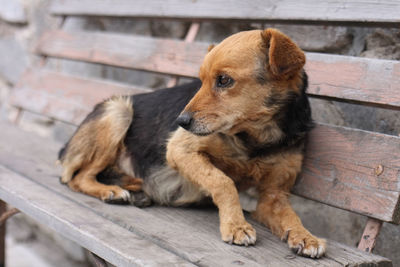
x=371 y=231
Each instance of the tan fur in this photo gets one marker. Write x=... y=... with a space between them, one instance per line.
x=97 y=145
x=219 y=163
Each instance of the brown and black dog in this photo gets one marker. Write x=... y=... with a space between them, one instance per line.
x=244 y=125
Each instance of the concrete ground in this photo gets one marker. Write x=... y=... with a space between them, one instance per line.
x=26 y=245
x=22 y=255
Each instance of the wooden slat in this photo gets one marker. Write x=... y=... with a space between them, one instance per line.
x=137 y=52
x=370 y=234
x=311 y=11
x=64 y=97
x=359 y=80
x=114 y=243
x=189 y=38
x=192 y=234
x=353 y=170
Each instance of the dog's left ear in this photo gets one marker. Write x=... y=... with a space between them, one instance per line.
x=210 y=47
x=284 y=56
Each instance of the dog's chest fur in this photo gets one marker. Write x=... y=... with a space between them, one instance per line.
x=237 y=160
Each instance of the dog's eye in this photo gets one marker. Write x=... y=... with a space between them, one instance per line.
x=224 y=81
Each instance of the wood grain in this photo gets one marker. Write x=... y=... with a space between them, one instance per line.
x=369 y=236
x=114 y=243
x=191 y=234
x=64 y=97
x=128 y=51
x=367 y=81
x=364 y=12
x=340 y=170
x=371 y=82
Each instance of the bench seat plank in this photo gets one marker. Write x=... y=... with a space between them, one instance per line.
x=189 y=233
x=101 y=236
x=384 y=13
x=64 y=97
x=366 y=81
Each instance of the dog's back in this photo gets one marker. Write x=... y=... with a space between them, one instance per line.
x=153 y=121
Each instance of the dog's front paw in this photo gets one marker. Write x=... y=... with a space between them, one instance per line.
x=239 y=234
x=115 y=195
x=305 y=244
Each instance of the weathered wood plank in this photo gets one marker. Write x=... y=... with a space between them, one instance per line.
x=353 y=170
x=114 y=243
x=360 y=80
x=137 y=52
x=323 y=12
x=370 y=234
x=190 y=233
x=64 y=97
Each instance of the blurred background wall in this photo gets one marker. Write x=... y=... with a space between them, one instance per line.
x=22 y=22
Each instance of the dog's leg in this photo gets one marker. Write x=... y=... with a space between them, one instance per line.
x=95 y=147
x=275 y=211
x=113 y=175
x=85 y=182
x=197 y=168
x=70 y=167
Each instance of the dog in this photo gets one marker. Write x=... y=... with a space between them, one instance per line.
x=242 y=125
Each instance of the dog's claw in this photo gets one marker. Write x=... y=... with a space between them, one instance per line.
x=299 y=248
x=239 y=235
x=305 y=244
x=119 y=196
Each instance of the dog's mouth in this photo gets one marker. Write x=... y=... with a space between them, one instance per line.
x=200 y=129
x=201 y=133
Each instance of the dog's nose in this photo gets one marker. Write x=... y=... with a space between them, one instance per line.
x=185 y=120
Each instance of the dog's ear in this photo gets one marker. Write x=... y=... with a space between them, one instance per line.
x=284 y=56
x=210 y=47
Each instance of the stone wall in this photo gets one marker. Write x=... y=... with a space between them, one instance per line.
x=21 y=22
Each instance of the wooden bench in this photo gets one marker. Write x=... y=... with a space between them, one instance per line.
x=346 y=168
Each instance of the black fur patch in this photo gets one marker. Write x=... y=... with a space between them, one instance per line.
x=293 y=118
x=110 y=176
x=154 y=119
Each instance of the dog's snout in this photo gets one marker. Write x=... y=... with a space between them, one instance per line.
x=185 y=120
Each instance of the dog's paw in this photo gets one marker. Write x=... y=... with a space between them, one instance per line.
x=239 y=234
x=64 y=179
x=115 y=195
x=305 y=244
x=140 y=199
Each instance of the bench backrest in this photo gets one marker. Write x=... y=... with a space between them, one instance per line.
x=346 y=168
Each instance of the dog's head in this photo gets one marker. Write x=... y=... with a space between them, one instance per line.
x=239 y=78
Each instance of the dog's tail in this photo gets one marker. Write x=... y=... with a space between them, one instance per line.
x=99 y=138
